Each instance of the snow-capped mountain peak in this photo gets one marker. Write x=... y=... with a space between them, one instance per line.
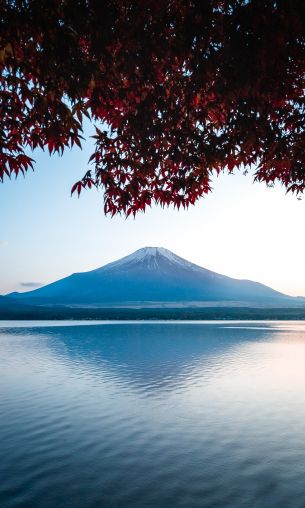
x=152 y=257
x=150 y=274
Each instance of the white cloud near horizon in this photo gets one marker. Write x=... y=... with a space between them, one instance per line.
x=31 y=284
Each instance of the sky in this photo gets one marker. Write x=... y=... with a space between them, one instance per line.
x=242 y=229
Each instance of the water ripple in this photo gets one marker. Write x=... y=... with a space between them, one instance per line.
x=152 y=415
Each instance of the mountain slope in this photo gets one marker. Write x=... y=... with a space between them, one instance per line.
x=150 y=274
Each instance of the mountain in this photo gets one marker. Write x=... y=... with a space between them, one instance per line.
x=152 y=276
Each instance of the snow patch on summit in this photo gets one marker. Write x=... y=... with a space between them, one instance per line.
x=152 y=257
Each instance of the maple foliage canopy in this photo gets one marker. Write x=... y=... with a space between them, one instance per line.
x=178 y=90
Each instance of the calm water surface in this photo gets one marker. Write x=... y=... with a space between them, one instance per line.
x=152 y=415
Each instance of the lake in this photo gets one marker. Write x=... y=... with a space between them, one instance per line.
x=159 y=414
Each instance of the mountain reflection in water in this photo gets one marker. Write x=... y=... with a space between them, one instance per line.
x=152 y=414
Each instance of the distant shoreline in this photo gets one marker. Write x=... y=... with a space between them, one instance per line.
x=174 y=314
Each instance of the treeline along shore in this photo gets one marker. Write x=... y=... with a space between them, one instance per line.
x=208 y=313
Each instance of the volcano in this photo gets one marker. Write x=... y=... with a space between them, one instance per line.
x=152 y=276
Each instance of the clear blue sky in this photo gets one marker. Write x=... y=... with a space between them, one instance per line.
x=242 y=229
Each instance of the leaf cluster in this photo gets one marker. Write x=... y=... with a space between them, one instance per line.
x=184 y=88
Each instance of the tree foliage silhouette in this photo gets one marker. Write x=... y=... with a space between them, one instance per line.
x=178 y=90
